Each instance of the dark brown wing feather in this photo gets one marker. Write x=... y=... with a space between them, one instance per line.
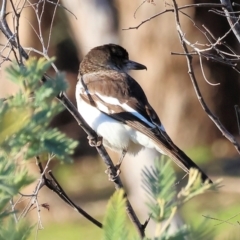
x=127 y=90
x=169 y=148
x=122 y=87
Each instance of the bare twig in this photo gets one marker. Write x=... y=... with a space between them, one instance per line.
x=6 y=30
x=205 y=5
x=61 y=6
x=51 y=26
x=203 y=73
x=34 y=196
x=232 y=19
x=13 y=210
x=223 y=221
x=235 y=4
x=134 y=15
x=237 y=110
x=191 y=73
x=17 y=16
x=149 y=1
x=56 y=187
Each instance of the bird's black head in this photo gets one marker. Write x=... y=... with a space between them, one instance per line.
x=108 y=57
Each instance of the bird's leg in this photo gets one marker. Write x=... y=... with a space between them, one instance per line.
x=117 y=166
x=94 y=142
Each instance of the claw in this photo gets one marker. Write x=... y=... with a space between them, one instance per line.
x=93 y=142
x=110 y=176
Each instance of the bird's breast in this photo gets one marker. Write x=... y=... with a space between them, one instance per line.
x=116 y=135
x=113 y=132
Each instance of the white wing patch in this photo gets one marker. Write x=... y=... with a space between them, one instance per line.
x=126 y=107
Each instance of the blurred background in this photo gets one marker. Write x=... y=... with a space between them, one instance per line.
x=87 y=24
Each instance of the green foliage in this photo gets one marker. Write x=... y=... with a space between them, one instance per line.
x=159 y=184
x=26 y=116
x=11 y=231
x=195 y=187
x=115 y=218
x=25 y=133
x=164 y=202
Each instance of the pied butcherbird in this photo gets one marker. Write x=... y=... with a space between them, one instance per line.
x=116 y=107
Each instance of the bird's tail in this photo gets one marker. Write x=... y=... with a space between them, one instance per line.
x=178 y=156
x=164 y=145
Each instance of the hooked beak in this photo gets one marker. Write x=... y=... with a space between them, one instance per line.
x=131 y=65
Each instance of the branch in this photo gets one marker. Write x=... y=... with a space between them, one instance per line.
x=53 y=185
x=215 y=120
x=104 y=155
x=172 y=10
x=232 y=19
x=6 y=30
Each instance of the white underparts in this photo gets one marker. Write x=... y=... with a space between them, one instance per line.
x=116 y=135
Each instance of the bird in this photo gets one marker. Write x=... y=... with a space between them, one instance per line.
x=115 y=106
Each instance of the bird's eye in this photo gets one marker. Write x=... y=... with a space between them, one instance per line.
x=113 y=50
x=119 y=52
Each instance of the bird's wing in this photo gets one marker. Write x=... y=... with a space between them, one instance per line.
x=122 y=98
x=119 y=96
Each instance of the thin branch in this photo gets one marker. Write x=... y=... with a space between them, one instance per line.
x=205 y=5
x=191 y=73
x=134 y=15
x=17 y=15
x=53 y=185
x=104 y=155
x=39 y=19
x=232 y=19
x=235 y=4
x=213 y=46
x=61 y=193
x=61 y=6
x=203 y=73
x=13 y=210
x=6 y=30
x=33 y=197
x=237 y=110
x=223 y=221
x=51 y=26
x=149 y=1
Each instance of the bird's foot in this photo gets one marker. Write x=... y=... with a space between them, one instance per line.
x=112 y=177
x=94 y=142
